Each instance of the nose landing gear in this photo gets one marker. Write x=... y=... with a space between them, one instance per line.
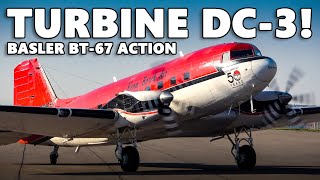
x=245 y=155
x=128 y=156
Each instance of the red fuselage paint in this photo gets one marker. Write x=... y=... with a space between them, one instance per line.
x=198 y=64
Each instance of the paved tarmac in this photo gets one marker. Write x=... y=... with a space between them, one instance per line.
x=280 y=155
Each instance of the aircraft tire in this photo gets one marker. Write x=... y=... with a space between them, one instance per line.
x=53 y=159
x=130 y=159
x=246 y=158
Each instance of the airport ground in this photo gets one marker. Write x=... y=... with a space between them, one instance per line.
x=280 y=155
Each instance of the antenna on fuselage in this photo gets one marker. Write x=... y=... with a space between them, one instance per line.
x=114 y=79
x=181 y=53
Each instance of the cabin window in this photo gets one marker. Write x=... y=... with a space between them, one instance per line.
x=160 y=85
x=148 y=88
x=241 y=54
x=173 y=80
x=186 y=76
x=226 y=57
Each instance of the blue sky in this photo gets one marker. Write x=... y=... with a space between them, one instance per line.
x=294 y=52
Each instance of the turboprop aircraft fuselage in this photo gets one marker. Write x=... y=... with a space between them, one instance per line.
x=209 y=75
x=204 y=82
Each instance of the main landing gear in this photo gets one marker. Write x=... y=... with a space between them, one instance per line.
x=128 y=156
x=54 y=155
x=245 y=155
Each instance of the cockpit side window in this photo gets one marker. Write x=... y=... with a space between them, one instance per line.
x=257 y=52
x=238 y=54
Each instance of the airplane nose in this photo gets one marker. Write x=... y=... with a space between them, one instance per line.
x=264 y=69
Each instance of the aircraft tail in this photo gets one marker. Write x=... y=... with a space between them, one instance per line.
x=31 y=85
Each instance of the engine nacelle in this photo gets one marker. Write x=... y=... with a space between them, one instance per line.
x=142 y=95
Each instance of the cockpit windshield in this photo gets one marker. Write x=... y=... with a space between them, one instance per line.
x=244 y=53
x=238 y=54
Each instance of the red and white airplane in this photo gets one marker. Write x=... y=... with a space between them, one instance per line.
x=213 y=92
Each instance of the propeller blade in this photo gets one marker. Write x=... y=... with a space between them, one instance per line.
x=295 y=76
x=307 y=98
x=274 y=85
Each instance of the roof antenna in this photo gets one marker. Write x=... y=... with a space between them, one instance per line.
x=114 y=79
x=181 y=53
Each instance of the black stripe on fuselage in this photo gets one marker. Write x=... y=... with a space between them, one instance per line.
x=196 y=81
x=214 y=75
x=219 y=73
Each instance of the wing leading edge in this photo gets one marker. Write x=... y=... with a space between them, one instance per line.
x=305 y=114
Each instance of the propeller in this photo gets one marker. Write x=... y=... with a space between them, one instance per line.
x=304 y=98
x=308 y=98
x=295 y=76
x=274 y=85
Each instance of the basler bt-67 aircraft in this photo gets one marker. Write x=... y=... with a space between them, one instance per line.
x=213 y=92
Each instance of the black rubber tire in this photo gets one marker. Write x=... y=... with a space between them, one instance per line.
x=53 y=159
x=247 y=158
x=130 y=159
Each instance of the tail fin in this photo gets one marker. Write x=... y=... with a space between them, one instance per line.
x=31 y=85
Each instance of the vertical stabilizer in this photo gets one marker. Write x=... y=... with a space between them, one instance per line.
x=31 y=85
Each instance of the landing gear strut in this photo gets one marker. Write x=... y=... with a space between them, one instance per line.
x=54 y=155
x=128 y=156
x=245 y=155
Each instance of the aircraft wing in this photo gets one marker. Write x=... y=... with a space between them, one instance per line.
x=303 y=114
x=54 y=122
x=8 y=137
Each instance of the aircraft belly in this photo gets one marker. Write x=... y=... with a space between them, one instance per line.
x=208 y=126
